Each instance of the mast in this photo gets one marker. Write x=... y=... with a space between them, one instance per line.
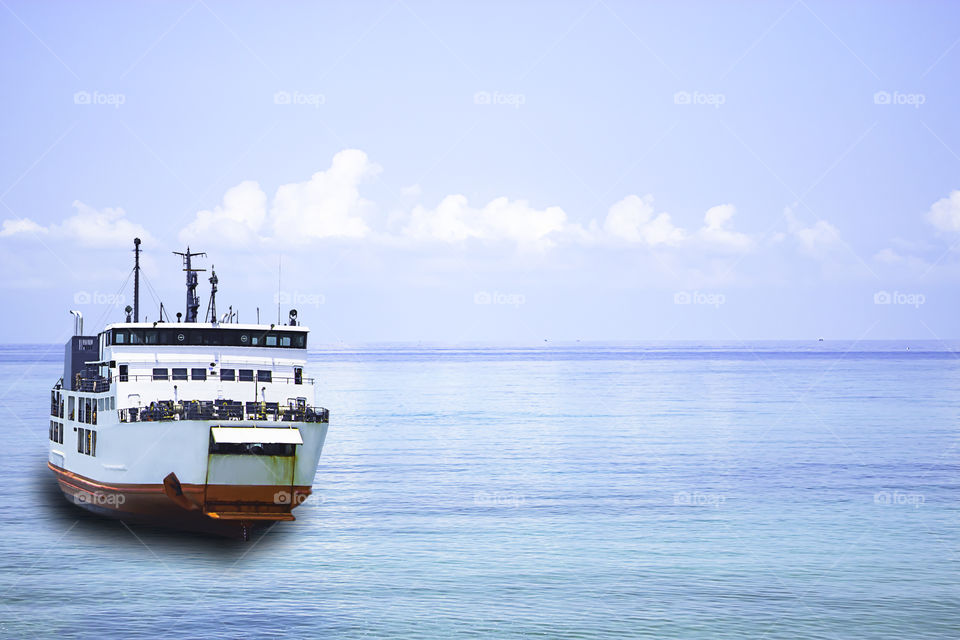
x=212 y=307
x=193 y=301
x=136 y=279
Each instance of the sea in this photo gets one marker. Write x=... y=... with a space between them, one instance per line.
x=651 y=490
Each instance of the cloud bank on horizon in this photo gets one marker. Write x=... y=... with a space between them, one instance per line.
x=330 y=205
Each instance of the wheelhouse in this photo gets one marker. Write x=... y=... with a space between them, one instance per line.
x=176 y=335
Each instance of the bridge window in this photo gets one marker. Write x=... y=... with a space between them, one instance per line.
x=246 y=375
x=198 y=374
x=160 y=373
x=207 y=336
x=179 y=374
x=264 y=375
x=227 y=375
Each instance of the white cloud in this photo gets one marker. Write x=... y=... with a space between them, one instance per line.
x=902 y=262
x=944 y=214
x=454 y=220
x=821 y=235
x=888 y=256
x=328 y=205
x=815 y=240
x=21 y=225
x=633 y=219
x=88 y=227
x=716 y=232
x=237 y=221
x=100 y=228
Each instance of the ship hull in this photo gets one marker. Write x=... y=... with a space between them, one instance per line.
x=229 y=510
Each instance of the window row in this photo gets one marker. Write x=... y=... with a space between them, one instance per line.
x=87 y=441
x=56 y=431
x=87 y=411
x=87 y=408
x=226 y=375
x=181 y=374
x=196 y=336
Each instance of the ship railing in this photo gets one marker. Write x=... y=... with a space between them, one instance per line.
x=225 y=410
x=147 y=377
x=94 y=385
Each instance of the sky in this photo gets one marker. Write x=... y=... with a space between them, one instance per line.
x=496 y=171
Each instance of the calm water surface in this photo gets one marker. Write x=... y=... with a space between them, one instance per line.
x=770 y=490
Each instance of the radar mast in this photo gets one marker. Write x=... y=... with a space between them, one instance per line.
x=193 y=301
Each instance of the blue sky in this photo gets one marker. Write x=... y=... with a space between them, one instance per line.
x=489 y=171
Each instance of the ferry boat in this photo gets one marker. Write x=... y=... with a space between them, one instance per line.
x=207 y=425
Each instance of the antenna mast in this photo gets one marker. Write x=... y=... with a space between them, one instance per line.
x=279 y=271
x=212 y=307
x=136 y=279
x=193 y=302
